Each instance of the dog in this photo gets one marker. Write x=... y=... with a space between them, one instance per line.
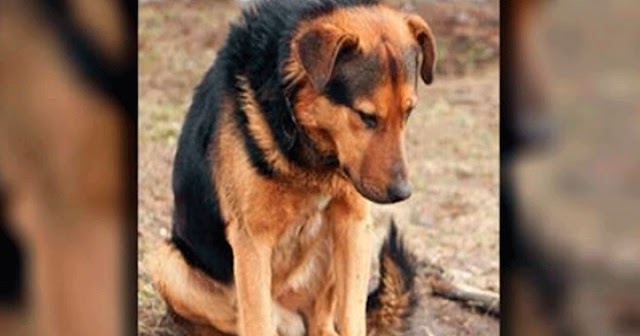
x=297 y=124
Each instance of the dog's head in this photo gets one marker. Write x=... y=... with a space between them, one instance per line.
x=357 y=71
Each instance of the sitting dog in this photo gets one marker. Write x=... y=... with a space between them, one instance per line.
x=300 y=120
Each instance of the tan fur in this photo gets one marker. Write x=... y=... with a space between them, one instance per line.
x=185 y=288
x=302 y=240
x=336 y=128
x=394 y=302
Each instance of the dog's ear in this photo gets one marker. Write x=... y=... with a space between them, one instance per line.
x=317 y=50
x=423 y=35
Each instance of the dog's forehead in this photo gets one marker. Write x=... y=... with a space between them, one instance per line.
x=360 y=74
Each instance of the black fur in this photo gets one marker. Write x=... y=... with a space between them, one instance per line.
x=394 y=248
x=256 y=47
x=355 y=76
x=198 y=227
x=11 y=267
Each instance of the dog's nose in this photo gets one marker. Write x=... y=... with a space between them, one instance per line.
x=399 y=191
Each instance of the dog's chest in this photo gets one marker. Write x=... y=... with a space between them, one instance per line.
x=301 y=257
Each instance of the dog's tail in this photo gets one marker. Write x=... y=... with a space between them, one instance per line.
x=391 y=305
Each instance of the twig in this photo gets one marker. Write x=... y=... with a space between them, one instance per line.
x=484 y=300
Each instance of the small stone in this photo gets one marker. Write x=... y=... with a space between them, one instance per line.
x=164 y=233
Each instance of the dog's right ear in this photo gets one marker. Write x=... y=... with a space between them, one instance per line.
x=317 y=50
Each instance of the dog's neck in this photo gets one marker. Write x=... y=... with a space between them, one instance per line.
x=307 y=149
x=272 y=126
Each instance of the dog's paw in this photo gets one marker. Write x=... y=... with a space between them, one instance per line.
x=289 y=323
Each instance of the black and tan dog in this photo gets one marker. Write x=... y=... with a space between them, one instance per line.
x=300 y=119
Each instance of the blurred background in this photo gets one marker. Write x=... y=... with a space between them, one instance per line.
x=67 y=165
x=570 y=182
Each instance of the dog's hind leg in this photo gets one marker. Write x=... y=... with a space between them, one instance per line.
x=192 y=294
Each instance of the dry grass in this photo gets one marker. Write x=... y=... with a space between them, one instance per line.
x=452 y=217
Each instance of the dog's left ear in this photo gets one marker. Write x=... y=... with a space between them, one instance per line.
x=318 y=48
x=423 y=35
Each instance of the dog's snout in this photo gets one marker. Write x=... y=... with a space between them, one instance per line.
x=399 y=191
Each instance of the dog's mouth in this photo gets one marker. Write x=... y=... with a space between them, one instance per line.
x=370 y=191
x=374 y=196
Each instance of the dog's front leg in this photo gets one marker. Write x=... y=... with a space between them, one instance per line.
x=252 y=271
x=352 y=235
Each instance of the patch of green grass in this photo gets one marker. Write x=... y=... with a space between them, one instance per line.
x=161 y=121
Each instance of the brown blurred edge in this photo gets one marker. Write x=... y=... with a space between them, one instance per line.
x=41 y=190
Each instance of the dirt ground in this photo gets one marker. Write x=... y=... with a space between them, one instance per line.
x=453 y=148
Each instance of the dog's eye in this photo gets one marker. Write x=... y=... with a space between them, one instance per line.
x=369 y=120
